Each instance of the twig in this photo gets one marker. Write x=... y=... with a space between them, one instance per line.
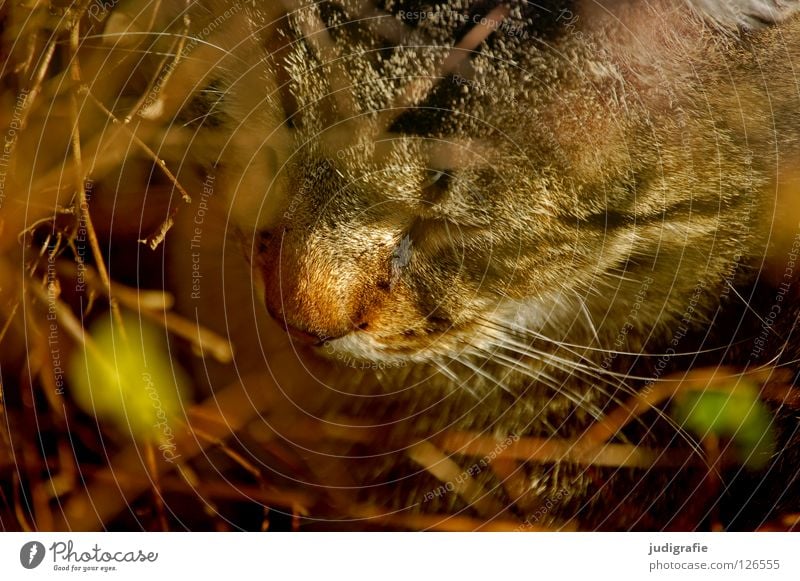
x=84 y=90
x=83 y=202
x=21 y=517
x=446 y=522
x=562 y=450
x=153 y=305
x=291 y=499
x=154 y=240
x=69 y=323
x=228 y=451
x=447 y=471
x=9 y=320
x=36 y=88
x=719 y=378
x=152 y=468
x=137 y=107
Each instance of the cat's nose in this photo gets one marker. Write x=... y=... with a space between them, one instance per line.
x=314 y=297
x=298 y=330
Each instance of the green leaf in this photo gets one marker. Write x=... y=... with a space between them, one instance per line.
x=738 y=414
x=132 y=383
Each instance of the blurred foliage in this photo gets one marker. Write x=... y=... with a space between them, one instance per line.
x=129 y=379
x=738 y=414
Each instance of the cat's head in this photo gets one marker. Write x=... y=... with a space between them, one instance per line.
x=423 y=201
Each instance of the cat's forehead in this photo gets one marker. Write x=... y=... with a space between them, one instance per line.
x=403 y=56
x=397 y=37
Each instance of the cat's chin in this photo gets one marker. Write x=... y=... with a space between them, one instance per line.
x=385 y=348
x=364 y=350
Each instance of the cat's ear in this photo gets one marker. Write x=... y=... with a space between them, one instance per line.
x=744 y=14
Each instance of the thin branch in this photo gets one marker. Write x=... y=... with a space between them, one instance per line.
x=83 y=202
x=84 y=90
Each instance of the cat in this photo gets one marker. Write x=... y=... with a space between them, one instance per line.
x=516 y=215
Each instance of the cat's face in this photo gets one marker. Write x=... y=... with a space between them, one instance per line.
x=391 y=255
x=530 y=183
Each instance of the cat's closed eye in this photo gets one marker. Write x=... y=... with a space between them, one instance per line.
x=436 y=183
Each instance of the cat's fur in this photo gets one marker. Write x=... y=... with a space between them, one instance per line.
x=523 y=234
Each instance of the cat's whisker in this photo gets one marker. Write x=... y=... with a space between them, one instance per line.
x=585 y=311
x=610 y=272
x=542 y=377
x=442 y=363
x=511 y=328
x=509 y=332
x=572 y=367
x=568 y=366
x=172 y=35
x=595 y=372
x=477 y=370
x=444 y=370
